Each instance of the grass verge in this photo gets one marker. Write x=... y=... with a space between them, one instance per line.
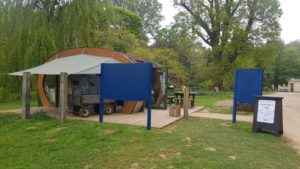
x=43 y=142
x=15 y=105
x=210 y=99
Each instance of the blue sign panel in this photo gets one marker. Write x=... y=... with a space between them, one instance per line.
x=130 y=82
x=248 y=83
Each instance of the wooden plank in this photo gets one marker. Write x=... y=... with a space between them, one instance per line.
x=128 y=107
x=63 y=97
x=138 y=107
x=26 y=87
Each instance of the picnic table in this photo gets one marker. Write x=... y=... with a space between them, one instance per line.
x=179 y=98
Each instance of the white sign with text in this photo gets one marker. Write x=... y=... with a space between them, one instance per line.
x=266 y=111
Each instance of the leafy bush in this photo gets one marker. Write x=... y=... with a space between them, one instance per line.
x=206 y=84
x=6 y=96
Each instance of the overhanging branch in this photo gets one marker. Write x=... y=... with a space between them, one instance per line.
x=197 y=18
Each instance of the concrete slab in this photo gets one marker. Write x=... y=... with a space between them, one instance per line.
x=224 y=103
x=243 y=118
x=160 y=118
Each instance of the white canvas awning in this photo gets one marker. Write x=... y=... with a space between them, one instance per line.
x=77 y=64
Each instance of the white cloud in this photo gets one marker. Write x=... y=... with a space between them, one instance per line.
x=290 y=20
x=168 y=11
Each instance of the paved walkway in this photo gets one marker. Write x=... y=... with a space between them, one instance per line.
x=244 y=118
x=159 y=118
x=291 y=117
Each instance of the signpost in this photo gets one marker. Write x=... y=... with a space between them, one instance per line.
x=130 y=82
x=248 y=83
x=268 y=115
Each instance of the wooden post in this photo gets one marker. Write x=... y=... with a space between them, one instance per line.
x=63 y=97
x=26 y=95
x=186 y=101
x=57 y=91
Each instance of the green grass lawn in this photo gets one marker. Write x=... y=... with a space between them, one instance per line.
x=15 y=105
x=190 y=143
x=221 y=110
x=210 y=99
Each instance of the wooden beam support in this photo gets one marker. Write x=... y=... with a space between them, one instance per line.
x=26 y=87
x=186 y=101
x=63 y=97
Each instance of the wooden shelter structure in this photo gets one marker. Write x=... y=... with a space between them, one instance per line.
x=85 y=61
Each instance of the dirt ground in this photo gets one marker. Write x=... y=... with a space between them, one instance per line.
x=224 y=103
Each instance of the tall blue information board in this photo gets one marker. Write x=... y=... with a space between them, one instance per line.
x=130 y=82
x=248 y=83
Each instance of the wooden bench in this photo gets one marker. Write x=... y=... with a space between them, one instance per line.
x=179 y=98
x=171 y=100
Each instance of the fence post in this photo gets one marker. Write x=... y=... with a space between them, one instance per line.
x=26 y=87
x=63 y=97
x=186 y=101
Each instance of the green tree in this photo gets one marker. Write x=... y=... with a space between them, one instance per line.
x=164 y=57
x=32 y=30
x=190 y=53
x=148 y=10
x=131 y=21
x=232 y=27
x=287 y=64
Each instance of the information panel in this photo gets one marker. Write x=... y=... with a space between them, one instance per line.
x=130 y=82
x=248 y=83
x=266 y=111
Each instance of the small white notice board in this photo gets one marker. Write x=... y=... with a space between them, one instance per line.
x=266 y=111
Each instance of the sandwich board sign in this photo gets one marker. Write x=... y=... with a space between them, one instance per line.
x=130 y=82
x=268 y=115
x=248 y=83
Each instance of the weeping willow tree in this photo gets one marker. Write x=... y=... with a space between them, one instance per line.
x=31 y=30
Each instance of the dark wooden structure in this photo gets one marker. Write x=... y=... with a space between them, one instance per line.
x=174 y=111
x=179 y=98
x=268 y=115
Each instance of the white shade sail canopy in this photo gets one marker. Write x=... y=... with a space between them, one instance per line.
x=77 y=64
